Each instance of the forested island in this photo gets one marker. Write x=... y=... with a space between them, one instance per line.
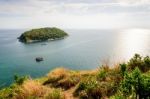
x=42 y=34
x=128 y=80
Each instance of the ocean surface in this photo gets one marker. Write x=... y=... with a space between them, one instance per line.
x=83 y=49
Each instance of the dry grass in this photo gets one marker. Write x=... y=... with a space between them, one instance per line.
x=58 y=72
x=88 y=72
x=60 y=81
x=63 y=78
x=54 y=94
x=31 y=89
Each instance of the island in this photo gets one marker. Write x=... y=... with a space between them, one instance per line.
x=42 y=34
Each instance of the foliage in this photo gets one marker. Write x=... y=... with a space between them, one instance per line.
x=62 y=78
x=9 y=92
x=91 y=88
x=88 y=88
x=136 y=83
x=123 y=81
x=20 y=79
x=102 y=75
x=143 y=63
x=103 y=72
x=68 y=82
x=42 y=34
x=55 y=94
x=123 y=68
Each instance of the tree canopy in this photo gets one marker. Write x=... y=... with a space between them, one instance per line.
x=42 y=34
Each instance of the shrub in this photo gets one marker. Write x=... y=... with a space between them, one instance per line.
x=136 y=83
x=123 y=68
x=146 y=64
x=56 y=75
x=63 y=78
x=10 y=92
x=86 y=86
x=31 y=88
x=68 y=82
x=55 y=94
x=91 y=88
x=117 y=97
x=20 y=79
x=102 y=75
x=137 y=61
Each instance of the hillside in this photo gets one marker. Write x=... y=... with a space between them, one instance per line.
x=42 y=34
x=128 y=80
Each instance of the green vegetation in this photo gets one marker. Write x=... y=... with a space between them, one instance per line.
x=19 y=80
x=137 y=84
x=130 y=80
x=42 y=34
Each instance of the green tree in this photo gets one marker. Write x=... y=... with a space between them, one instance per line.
x=123 y=68
x=20 y=79
x=136 y=83
x=143 y=63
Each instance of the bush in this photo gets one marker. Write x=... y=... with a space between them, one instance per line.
x=63 y=78
x=68 y=82
x=136 y=83
x=102 y=73
x=9 y=92
x=31 y=89
x=56 y=75
x=137 y=61
x=87 y=88
x=20 y=79
x=123 y=68
x=55 y=94
x=91 y=88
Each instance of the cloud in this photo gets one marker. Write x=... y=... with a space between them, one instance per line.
x=133 y=2
x=73 y=13
x=37 y=7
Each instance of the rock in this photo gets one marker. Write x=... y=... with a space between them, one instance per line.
x=39 y=59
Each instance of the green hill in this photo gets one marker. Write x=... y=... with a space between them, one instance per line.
x=42 y=34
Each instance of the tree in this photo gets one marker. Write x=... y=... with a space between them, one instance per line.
x=20 y=79
x=123 y=68
x=136 y=83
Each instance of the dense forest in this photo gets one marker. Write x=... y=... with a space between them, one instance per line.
x=42 y=34
x=128 y=80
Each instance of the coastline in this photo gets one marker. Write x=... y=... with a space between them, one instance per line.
x=35 y=41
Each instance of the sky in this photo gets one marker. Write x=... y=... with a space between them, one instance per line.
x=76 y=14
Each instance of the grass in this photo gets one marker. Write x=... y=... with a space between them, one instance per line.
x=104 y=82
x=62 y=78
x=55 y=94
x=32 y=88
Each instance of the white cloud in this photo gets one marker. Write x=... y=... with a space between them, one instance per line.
x=133 y=2
x=74 y=13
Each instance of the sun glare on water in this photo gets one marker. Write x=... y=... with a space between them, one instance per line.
x=133 y=41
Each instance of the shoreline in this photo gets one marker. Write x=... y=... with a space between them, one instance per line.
x=36 y=41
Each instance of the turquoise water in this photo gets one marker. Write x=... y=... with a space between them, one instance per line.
x=83 y=49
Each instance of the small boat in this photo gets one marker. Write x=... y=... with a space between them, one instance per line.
x=39 y=59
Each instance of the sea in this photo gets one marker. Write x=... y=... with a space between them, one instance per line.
x=83 y=49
